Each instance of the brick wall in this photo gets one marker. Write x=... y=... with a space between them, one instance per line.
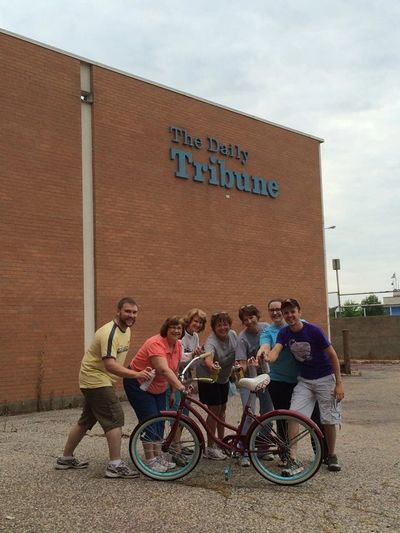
x=175 y=243
x=40 y=223
x=171 y=243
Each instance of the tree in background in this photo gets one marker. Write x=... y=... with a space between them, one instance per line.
x=372 y=306
x=351 y=308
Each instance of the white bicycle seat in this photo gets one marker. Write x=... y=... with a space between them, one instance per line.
x=254 y=384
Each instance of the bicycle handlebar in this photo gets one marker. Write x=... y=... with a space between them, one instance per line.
x=203 y=355
x=197 y=358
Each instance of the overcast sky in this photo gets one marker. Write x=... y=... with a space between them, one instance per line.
x=330 y=68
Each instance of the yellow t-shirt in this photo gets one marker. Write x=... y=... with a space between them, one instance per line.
x=108 y=341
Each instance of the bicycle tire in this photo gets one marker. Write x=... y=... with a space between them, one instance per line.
x=264 y=439
x=145 y=433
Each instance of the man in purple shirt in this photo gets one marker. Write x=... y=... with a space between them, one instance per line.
x=319 y=378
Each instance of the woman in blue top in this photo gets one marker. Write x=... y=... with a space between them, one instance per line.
x=283 y=372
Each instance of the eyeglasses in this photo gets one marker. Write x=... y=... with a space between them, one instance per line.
x=275 y=310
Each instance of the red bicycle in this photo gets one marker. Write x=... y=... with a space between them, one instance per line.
x=181 y=441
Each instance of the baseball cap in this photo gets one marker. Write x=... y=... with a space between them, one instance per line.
x=290 y=302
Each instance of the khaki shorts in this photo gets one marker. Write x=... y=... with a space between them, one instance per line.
x=101 y=405
x=322 y=390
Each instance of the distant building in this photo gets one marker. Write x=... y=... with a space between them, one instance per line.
x=392 y=303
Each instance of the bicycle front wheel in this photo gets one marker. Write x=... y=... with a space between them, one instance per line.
x=153 y=458
x=274 y=441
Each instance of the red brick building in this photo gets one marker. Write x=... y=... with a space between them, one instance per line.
x=111 y=186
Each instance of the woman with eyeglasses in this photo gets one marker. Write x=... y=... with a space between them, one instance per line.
x=283 y=372
x=194 y=322
x=161 y=353
x=222 y=344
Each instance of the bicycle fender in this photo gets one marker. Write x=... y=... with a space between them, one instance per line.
x=288 y=412
x=190 y=422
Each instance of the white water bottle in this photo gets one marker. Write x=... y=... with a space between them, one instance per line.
x=146 y=384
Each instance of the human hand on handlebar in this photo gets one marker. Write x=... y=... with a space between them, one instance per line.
x=188 y=390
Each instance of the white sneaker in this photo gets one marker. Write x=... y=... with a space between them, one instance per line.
x=244 y=461
x=294 y=467
x=163 y=461
x=267 y=457
x=215 y=454
x=122 y=470
x=155 y=465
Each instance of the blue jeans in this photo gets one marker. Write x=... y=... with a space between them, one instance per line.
x=145 y=404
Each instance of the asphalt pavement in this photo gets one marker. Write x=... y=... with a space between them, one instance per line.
x=363 y=497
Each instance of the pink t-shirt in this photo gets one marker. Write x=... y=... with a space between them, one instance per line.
x=157 y=346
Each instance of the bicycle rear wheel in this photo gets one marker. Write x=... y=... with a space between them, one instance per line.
x=149 y=438
x=270 y=440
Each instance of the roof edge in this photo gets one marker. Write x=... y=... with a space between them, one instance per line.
x=128 y=74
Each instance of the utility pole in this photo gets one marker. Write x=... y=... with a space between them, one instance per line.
x=336 y=267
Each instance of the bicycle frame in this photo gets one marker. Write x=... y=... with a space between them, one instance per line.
x=277 y=453
x=231 y=441
x=237 y=436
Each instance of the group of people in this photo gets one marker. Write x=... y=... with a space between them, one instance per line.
x=304 y=372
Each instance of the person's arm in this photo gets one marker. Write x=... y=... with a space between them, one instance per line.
x=162 y=368
x=242 y=364
x=272 y=356
x=263 y=351
x=339 y=391
x=266 y=342
x=241 y=354
x=209 y=361
x=112 y=366
x=197 y=351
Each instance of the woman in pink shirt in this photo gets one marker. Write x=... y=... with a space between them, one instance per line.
x=162 y=353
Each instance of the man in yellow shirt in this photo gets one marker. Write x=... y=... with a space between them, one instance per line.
x=101 y=366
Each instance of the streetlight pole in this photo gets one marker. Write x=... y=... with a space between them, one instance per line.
x=336 y=266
